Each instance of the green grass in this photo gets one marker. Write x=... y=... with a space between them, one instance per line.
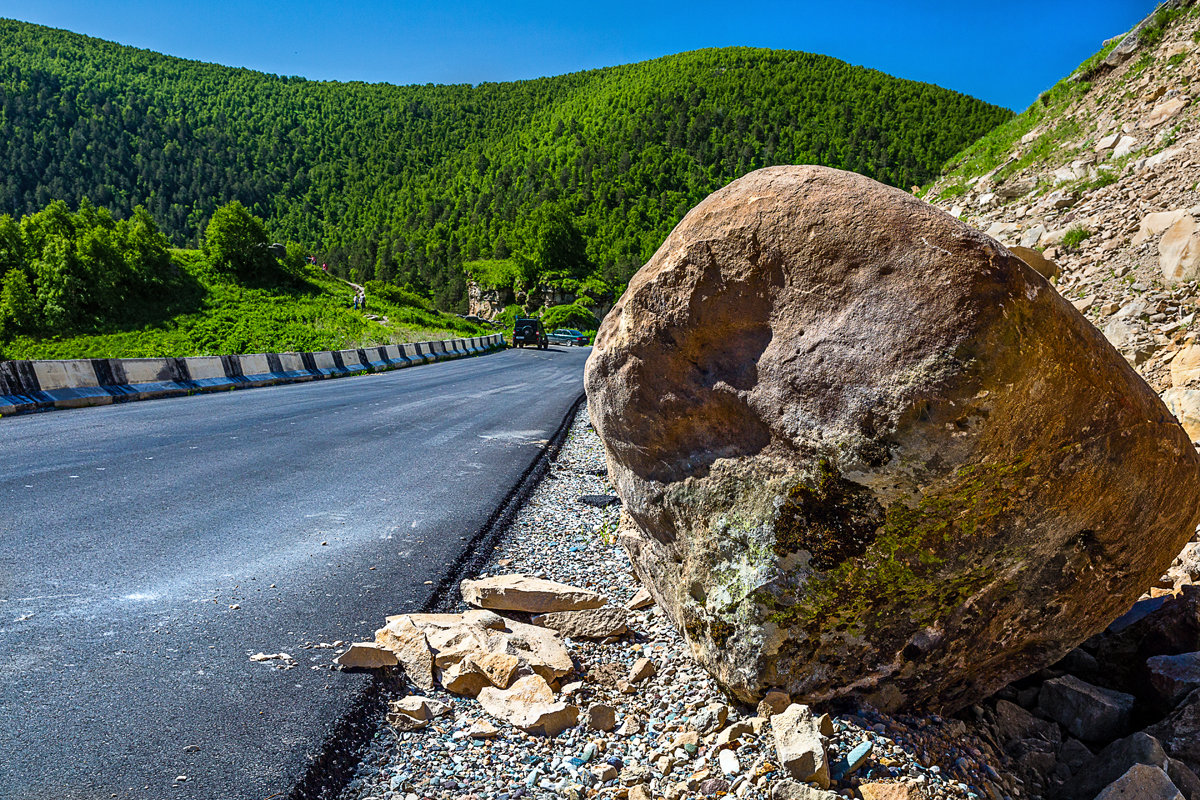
x=1075 y=237
x=993 y=149
x=202 y=313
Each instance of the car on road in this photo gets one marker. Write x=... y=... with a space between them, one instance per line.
x=568 y=336
x=529 y=330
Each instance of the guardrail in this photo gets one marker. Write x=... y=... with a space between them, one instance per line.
x=37 y=385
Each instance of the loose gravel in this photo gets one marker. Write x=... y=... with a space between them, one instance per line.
x=558 y=536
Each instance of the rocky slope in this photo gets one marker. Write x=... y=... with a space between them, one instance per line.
x=1100 y=175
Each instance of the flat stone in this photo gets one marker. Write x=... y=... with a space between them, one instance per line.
x=589 y=623
x=1089 y=712
x=601 y=717
x=731 y=733
x=640 y=792
x=1125 y=146
x=483 y=730
x=852 y=761
x=529 y=704
x=1158 y=222
x=794 y=790
x=898 y=790
x=1179 y=251
x=463 y=678
x=418 y=707
x=641 y=670
x=600 y=500
x=798 y=745
x=529 y=594
x=1164 y=111
x=1141 y=782
x=641 y=599
x=727 y=760
x=1173 y=677
x=367 y=655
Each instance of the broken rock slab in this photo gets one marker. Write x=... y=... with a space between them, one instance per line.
x=367 y=655
x=408 y=644
x=1088 y=712
x=467 y=649
x=1174 y=677
x=798 y=745
x=889 y=790
x=528 y=594
x=1141 y=782
x=529 y=704
x=589 y=623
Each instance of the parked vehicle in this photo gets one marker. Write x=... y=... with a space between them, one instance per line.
x=568 y=336
x=529 y=330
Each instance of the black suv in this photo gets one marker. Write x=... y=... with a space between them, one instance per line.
x=529 y=330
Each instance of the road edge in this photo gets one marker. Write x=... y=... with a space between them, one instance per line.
x=333 y=767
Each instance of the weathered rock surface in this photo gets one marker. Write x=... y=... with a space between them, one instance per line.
x=1180 y=732
x=366 y=655
x=888 y=790
x=468 y=652
x=1038 y=262
x=1089 y=712
x=865 y=450
x=1141 y=782
x=589 y=623
x=528 y=594
x=1173 y=677
x=798 y=745
x=529 y=704
x=411 y=649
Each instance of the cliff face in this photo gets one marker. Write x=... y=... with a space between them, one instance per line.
x=1101 y=175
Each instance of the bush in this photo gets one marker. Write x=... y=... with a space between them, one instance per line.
x=235 y=241
x=571 y=316
x=396 y=295
x=1075 y=237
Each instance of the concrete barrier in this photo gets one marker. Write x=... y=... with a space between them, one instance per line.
x=37 y=385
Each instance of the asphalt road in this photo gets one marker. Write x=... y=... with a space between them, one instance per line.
x=128 y=534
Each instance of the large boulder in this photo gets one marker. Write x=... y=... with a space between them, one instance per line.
x=866 y=450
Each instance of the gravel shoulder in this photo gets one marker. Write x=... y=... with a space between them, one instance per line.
x=671 y=727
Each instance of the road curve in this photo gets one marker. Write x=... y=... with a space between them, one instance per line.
x=131 y=532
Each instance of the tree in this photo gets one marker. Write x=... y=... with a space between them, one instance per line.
x=553 y=241
x=18 y=308
x=235 y=241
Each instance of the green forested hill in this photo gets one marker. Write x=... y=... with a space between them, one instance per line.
x=404 y=184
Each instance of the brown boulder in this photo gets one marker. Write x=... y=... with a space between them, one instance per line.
x=866 y=450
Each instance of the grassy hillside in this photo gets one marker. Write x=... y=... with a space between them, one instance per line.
x=200 y=311
x=206 y=313
x=405 y=184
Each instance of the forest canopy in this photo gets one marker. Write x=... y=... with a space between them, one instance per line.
x=572 y=176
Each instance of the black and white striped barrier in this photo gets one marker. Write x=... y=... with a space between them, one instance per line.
x=36 y=385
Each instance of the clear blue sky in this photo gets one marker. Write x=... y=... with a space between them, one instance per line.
x=1004 y=52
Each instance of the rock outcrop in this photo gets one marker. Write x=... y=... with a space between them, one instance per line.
x=866 y=450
